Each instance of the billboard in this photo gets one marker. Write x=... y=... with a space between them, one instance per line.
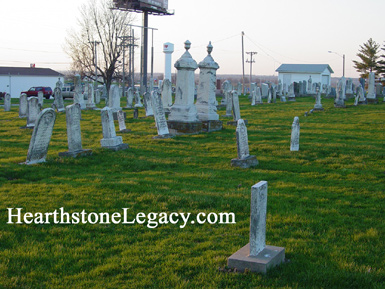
x=158 y=3
x=152 y=6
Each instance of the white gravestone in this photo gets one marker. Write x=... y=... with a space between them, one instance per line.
x=349 y=86
x=236 y=109
x=138 y=101
x=269 y=97
x=295 y=130
x=40 y=97
x=340 y=94
x=23 y=105
x=33 y=111
x=159 y=115
x=258 y=95
x=130 y=98
x=226 y=86
x=239 y=88
x=256 y=256
x=114 y=98
x=371 y=96
x=274 y=92
x=110 y=140
x=253 y=93
x=78 y=92
x=309 y=85
x=41 y=136
x=244 y=160
x=148 y=104
x=97 y=96
x=58 y=102
x=360 y=97
x=184 y=109
x=74 y=135
x=206 y=100
x=90 y=97
x=265 y=90
x=229 y=104
x=122 y=122
x=7 y=102
x=166 y=94
x=291 y=96
x=318 y=104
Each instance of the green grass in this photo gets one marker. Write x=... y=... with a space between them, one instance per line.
x=325 y=202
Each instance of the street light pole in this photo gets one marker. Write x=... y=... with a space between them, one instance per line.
x=251 y=53
x=343 y=61
x=243 y=66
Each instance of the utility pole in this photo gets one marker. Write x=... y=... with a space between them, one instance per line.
x=243 y=66
x=124 y=45
x=251 y=53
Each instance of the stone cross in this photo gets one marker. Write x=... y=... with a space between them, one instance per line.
x=41 y=136
x=33 y=111
x=7 y=102
x=184 y=109
x=294 y=142
x=110 y=140
x=166 y=94
x=159 y=115
x=23 y=105
x=206 y=100
x=148 y=104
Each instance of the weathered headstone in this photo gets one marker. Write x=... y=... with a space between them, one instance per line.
x=122 y=122
x=304 y=87
x=229 y=104
x=114 y=98
x=340 y=94
x=291 y=96
x=78 y=92
x=23 y=105
x=360 y=96
x=239 y=88
x=244 y=160
x=7 y=102
x=318 y=104
x=33 y=111
x=138 y=101
x=309 y=85
x=183 y=116
x=90 y=97
x=258 y=96
x=279 y=88
x=59 y=83
x=159 y=115
x=130 y=97
x=274 y=92
x=74 y=135
x=371 y=97
x=295 y=130
x=58 y=102
x=256 y=256
x=167 y=94
x=110 y=140
x=40 y=97
x=41 y=136
x=349 y=87
x=236 y=108
x=253 y=93
x=269 y=96
x=226 y=86
x=98 y=94
x=265 y=90
x=148 y=104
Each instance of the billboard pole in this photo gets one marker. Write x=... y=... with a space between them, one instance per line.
x=144 y=50
x=243 y=66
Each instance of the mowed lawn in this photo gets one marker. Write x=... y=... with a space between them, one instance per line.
x=326 y=203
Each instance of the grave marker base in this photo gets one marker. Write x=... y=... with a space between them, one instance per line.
x=184 y=127
x=250 y=161
x=268 y=258
x=75 y=154
x=212 y=125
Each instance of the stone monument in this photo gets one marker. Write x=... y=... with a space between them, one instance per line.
x=360 y=96
x=265 y=90
x=41 y=136
x=138 y=101
x=291 y=96
x=74 y=135
x=229 y=104
x=110 y=140
x=318 y=104
x=90 y=97
x=58 y=102
x=371 y=96
x=258 y=95
x=148 y=104
x=340 y=94
x=294 y=141
x=78 y=93
x=23 y=105
x=7 y=102
x=40 y=97
x=256 y=256
x=244 y=160
x=114 y=98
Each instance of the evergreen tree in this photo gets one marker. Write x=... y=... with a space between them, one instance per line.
x=368 y=53
x=382 y=62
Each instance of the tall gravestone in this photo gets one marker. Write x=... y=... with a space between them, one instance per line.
x=304 y=88
x=295 y=130
x=340 y=94
x=130 y=98
x=253 y=93
x=110 y=140
x=138 y=100
x=360 y=98
x=91 y=97
x=244 y=160
x=265 y=90
x=229 y=104
x=114 y=98
x=23 y=105
x=33 y=111
x=78 y=92
x=206 y=99
x=7 y=102
x=183 y=116
x=148 y=104
x=239 y=88
x=41 y=136
x=371 y=96
x=309 y=85
x=349 y=87
x=40 y=97
x=159 y=115
x=258 y=96
x=74 y=134
x=256 y=256
x=226 y=87
x=274 y=92
x=58 y=102
x=167 y=94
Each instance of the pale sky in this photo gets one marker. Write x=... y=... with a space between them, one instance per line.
x=281 y=31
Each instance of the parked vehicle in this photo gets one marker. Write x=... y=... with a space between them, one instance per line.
x=33 y=91
x=67 y=92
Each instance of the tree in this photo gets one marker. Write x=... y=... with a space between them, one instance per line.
x=382 y=62
x=368 y=54
x=101 y=26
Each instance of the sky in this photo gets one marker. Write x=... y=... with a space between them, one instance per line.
x=280 y=31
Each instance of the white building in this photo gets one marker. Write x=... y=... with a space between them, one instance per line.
x=289 y=73
x=14 y=80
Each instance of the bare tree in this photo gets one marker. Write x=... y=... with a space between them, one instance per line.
x=103 y=26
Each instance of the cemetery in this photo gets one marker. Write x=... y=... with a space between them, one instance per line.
x=307 y=195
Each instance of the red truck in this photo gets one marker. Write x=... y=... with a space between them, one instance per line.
x=33 y=91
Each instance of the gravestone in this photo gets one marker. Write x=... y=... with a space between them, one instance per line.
x=159 y=115
x=258 y=96
x=122 y=122
x=304 y=87
x=114 y=98
x=90 y=97
x=269 y=97
x=78 y=92
x=318 y=104
x=253 y=93
x=183 y=117
x=59 y=83
x=256 y=256
x=274 y=92
x=98 y=94
x=41 y=136
x=291 y=96
x=33 y=111
x=138 y=101
x=244 y=160
x=206 y=100
x=23 y=105
x=167 y=94
x=301 y=92
x=295 y=129
x=110 y=140
x=239 y=88
x=148 y=104
x=226 y=87
x=236 y=108
x=74 y=135
x=349 y=87
x=130 y=98
x=309 y=85
x=340 y=94
x=371 y=97
x=7 y=102
x=279 y=88
x=58 y=102
x=265 y=90
x=229 y=104
x=40 y=97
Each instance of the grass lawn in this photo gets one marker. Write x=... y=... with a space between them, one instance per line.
x=326 y=203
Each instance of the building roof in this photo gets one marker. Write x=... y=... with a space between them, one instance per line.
x=304 y=68
x=28 y=71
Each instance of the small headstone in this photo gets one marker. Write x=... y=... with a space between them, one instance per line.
x=226 y=86
x=74 y=135
x=294 y=142
x=256 y=256
x=98 y=94
x=269 y=97
x=274 y=92
x=58 y=102
x=279 y=88
x=244 y=160
x=7 y=102
x=340 y=94
x=239 y=88
x=309 y=85
x=159 y=115
x=136 y=113
x=78 y=93
x=148 y=104
x=41 y=136
x=236 y=108
x=122 y=122
x=110 y=140
x=349 y=86
x=33 y=111
x=291 y=96
x=360 y=98
x=304 y=87
x=23 y=105
x=253 y=93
